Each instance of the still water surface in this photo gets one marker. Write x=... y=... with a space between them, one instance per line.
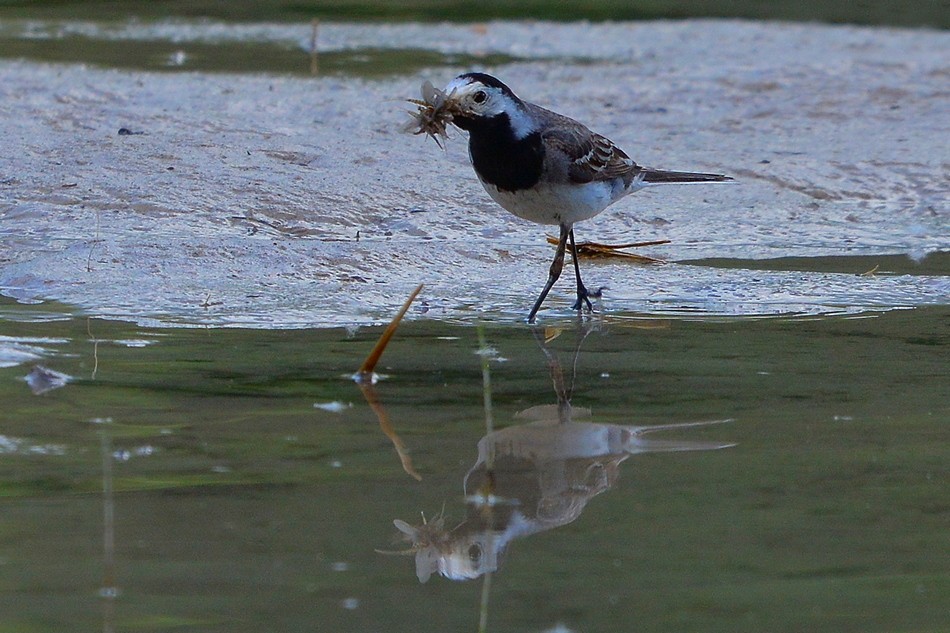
x=239 y=480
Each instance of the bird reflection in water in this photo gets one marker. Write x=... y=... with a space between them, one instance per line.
x=533 y=477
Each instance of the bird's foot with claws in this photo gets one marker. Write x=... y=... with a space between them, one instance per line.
x=584 y=296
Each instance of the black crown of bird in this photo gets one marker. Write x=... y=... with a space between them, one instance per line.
x=537 y=164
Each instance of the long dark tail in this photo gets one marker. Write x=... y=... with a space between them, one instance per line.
x=661 y=176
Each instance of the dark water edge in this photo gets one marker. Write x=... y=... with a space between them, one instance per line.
x=239 y=505
x=233 y=57
x=874 y=12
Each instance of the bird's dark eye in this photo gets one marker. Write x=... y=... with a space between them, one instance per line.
x=480 y=96
x=475 y=551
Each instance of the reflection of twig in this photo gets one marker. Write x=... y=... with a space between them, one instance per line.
x=95 y=348
x=483 y=610
x=372 y=399
x=564 y=391
x=486 y=395
x=366 y=377
x=582 y=333
x=489 y=469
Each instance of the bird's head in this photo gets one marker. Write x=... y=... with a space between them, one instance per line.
x=475 y=98
x=472 y=101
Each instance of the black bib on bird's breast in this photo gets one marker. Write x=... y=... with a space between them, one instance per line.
x=509 y=163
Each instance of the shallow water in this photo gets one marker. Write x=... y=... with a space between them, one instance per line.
x=249 y=483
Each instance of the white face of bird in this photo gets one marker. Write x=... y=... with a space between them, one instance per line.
x=474 y=96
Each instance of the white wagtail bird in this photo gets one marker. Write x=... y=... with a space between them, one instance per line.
x=538 y=164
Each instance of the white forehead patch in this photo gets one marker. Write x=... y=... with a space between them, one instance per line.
x=458 y=83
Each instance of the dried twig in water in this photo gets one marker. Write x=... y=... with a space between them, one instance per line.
x=595 y=249
x=365 y=373
x=366 y=378
x=372 y=399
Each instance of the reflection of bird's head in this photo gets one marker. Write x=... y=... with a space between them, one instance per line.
x=459 y=556
x=471 y=556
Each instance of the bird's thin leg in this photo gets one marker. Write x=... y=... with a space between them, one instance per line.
x=556 y=266
x=583 y=294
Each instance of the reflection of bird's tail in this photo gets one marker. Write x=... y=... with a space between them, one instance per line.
x=640 y=445
x=660 y=176
x=637 y=443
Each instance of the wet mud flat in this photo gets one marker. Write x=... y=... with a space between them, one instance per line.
x=278 y=200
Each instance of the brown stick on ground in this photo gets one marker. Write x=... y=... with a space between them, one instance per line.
x=314 y=56
x=594 y=249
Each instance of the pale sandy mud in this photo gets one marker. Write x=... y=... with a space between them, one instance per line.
x=240 y=197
